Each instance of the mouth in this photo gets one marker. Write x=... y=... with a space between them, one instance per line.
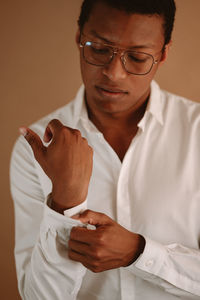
x=112 y=92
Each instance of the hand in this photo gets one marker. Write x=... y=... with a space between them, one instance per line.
x=67 y=161
x=109 y=246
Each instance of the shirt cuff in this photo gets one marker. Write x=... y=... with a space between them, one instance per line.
x=151 y=260
x=76 y=210
x=68 y=212
x=60 y=220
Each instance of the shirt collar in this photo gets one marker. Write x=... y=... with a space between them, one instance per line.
x=154 y=107
x=79 y=104
x=80 y=111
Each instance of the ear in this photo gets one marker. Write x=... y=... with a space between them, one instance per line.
x=165 y=53
x=78 y=37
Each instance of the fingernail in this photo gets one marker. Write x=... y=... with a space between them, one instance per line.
x=23 y=131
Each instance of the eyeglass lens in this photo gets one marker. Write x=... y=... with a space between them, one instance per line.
x=134 y=62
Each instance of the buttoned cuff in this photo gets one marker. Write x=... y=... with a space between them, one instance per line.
x=152 y=258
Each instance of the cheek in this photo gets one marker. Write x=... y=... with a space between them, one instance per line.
x=145 y=80
x=89 y=73
x=139 y=87
x=139 y=83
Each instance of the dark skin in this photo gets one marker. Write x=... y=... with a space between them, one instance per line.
x=117 y=113
x=116 y=102
x=120 y=134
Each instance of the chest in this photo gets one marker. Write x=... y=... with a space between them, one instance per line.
x=155 y=191
x=120 y=140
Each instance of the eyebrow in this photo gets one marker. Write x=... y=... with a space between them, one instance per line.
x=94 y=33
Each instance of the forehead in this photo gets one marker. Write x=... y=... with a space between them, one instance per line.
x=119 y=27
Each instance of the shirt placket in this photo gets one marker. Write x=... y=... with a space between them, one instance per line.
x=124 y=215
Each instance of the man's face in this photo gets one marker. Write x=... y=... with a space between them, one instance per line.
x=110 y=89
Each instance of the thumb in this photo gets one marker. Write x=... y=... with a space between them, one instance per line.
x=35 y=142
x=93 y=218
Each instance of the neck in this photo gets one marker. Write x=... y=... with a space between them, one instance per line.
x=118 y=128
x=126 y=120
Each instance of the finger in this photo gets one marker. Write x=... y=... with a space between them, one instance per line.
x=53 y=128
x=81 y=234
x=85 y=260
x=35 y=142
x=79 y=247
x=47 y=135
x=90 y=263
x=93 y=218
x=75 y=256
x=78 y=257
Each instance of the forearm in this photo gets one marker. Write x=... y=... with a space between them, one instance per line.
x=49 y=273
x=44 y=270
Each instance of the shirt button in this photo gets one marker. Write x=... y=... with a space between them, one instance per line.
x=149 y=263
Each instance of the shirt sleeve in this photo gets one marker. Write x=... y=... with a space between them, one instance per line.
x=76 y=210
x=174 y=268
x=44 y=270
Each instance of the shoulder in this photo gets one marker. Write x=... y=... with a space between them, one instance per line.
x=22 y=156
x=181 y=109
x=68 y=114
x=63 y=114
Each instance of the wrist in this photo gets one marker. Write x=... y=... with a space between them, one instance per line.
x=63 y=199
x=138 y=247
x=141 y=246
x=59 y=207
x=55 y=206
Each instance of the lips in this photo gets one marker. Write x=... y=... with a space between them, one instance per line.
x=111 y=91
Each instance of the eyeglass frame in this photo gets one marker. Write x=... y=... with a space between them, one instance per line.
x=115 y=51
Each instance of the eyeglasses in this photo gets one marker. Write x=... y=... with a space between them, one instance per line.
x=134 y=62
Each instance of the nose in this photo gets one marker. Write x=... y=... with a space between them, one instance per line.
x=115 y=70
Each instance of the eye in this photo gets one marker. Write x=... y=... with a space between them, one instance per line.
x=138 y=57
x=99 y=49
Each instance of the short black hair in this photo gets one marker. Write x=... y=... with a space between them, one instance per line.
x=163 y=8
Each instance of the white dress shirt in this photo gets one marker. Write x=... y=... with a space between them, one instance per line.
x=155 y=191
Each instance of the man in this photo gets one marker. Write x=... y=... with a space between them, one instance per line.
x=118 y=169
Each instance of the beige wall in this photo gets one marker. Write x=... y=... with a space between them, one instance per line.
x=39 y=71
